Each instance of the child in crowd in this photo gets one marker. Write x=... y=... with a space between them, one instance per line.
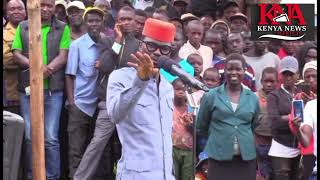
x=263 y=135
x=182 y=136
x=211 y=77
x=197 y=63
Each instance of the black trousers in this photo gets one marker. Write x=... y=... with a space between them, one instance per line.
x=230 y=170
x=80 y=131
x=308 y=163
x=285 y=168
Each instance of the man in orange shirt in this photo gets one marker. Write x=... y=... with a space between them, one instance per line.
x=15 y=13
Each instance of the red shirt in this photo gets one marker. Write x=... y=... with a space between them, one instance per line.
x=282 y=53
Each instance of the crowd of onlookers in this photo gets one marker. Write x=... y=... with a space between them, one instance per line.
x=248 y=109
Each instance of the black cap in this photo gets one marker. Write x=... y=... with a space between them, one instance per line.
x=229 y=3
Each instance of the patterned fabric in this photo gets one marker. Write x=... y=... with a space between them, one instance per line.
x=181 y=135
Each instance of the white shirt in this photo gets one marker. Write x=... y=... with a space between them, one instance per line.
x=234 y=106
x=204 y=51
x=258 y=64
x=310 y=118
x=279 y=150
x=141 y=4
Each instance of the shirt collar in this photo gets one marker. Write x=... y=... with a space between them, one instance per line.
x=9 y=27
x=284 y=89
x=89 y=41
x=190 y=45
x=262 y=94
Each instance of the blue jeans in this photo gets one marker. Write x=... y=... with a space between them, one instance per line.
x=52 y=110
x=313 y=177
x=264 y=160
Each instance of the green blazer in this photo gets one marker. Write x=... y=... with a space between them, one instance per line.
x=218 y=122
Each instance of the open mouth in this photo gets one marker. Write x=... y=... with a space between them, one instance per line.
x=234 y=78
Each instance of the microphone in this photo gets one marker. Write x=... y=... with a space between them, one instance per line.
x=174 y=68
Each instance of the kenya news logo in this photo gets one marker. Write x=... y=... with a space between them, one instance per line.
x=283 y=21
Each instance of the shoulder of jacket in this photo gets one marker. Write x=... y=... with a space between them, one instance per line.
x=24 y=24
x=124 y=73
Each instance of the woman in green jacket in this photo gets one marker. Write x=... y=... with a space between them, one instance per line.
x=226 y=117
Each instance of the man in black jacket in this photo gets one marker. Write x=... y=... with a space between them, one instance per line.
x=114 y=55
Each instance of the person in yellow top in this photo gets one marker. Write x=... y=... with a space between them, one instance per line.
x=15 y=13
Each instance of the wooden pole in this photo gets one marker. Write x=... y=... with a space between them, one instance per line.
x=36 y=90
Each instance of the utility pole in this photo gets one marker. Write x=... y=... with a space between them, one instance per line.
x=36 y=90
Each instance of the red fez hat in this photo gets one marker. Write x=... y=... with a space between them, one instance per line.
x=159 y=30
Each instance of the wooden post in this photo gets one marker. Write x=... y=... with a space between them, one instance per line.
x=36 y=90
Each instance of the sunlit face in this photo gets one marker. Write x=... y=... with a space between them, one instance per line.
x=234 y=72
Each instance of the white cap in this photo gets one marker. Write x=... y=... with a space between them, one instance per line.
x=77 y=4
x=61 y=2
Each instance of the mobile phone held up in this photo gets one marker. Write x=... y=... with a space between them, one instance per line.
x=298 y=108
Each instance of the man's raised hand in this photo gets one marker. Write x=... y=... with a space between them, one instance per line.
x=144 y=66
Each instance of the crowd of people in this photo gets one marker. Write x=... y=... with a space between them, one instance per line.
x=111 y=111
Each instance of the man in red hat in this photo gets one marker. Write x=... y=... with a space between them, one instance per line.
x=140 y=102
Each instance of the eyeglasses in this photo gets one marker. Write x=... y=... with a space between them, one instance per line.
x=152 y=47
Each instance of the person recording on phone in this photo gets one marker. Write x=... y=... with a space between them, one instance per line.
x=284 y=151
x=140 y=102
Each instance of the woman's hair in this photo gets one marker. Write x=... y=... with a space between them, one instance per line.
x=302 y=54
x=235 y=56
